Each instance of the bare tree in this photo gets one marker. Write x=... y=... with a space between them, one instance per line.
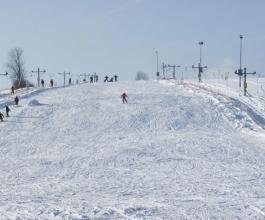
x=140 y=75
x=16 y=68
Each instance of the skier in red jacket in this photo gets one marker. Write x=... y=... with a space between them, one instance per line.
x=124 y=96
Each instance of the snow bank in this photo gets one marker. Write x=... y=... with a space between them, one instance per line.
x=34 y=102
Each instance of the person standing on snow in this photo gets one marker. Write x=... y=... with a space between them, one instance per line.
x=12 y=90
x=91 y=79
x=16 y=100
x=124 y=96
x=116 y=78
x=1 y=117
x=51 y=82
x=42 y=83
x=7 y=111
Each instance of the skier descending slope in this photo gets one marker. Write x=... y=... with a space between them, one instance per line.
x=124 y=96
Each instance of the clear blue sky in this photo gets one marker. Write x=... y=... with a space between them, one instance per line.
x=121 y=36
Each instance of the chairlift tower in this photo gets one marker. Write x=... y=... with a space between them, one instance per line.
x=64 y=74
x=240 y=72
x=245 y=80
x=174 y=66
x=200 y=67
x=85 y=75
x=38 y=71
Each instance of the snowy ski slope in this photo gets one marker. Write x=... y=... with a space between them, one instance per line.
x=176 y=151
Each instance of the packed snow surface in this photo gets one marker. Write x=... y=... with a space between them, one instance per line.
x=175 y=151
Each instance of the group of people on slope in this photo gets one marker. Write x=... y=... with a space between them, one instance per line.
x=124 y=97
x=16 y=100
x=43 y=83
x=7 y=113
x=93 y=78
x=112 y=79
x=52 y=82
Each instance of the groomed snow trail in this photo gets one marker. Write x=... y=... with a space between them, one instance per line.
x=79 y=153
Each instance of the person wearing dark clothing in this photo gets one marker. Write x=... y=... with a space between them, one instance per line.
x=111 y=79
x=7 y=111
x=1 y=116
x=106 y=79
x=91 y=79
x=96 y=78
x=42 y=83
x=16 y=100
x=51 y=82
x=70 y=81
x=12 y=90
x=116 y=78
x=124 y=98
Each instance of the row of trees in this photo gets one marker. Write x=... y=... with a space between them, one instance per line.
x=140 y=75
x=16 y=68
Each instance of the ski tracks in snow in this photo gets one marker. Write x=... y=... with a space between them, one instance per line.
x=168 y=154
x=241 y=112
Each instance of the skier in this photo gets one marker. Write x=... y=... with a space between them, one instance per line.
x=1 y=117
x=124 y=96
x=70 y=81
x=106 y=79
x=12 y=90
x=42 y=83
x=51 y=82
x=111 y=79
x=116 y=78
x=7 y=111
x=91 y=79
x=16 y=100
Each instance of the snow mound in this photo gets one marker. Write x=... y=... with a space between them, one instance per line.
x=34 y=102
